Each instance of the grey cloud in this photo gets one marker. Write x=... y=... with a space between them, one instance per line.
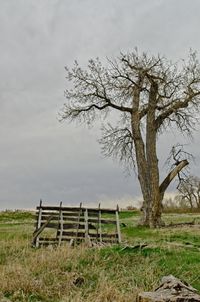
x=39 y=156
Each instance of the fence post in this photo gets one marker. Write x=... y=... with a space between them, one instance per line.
x=87 y=239
x=78 y=221
x=39 y=223
x=99 y=225
x=61 y=224
x=118 y=225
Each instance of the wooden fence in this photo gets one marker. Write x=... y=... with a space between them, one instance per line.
x=57 y=224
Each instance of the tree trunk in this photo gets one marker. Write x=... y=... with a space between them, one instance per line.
x=153 y=193
x=147 y=161
x=143 y=176
x=151 y=158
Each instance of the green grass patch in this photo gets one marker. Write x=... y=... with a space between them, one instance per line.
x=128 y=214
x=186 y=238
x=16 y=216
x=139 y=232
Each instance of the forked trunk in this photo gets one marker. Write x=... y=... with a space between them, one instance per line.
x=147 y=161
x=152 y=209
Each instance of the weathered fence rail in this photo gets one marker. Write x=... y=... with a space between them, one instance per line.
x=57 y=224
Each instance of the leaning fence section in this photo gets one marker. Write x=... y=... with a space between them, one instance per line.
x=58 y=224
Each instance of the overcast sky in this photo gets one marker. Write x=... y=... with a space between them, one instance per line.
x=42 y=158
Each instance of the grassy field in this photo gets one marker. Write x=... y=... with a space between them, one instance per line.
x=111 y=273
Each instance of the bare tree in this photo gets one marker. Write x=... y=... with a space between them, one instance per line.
x=148 y=94
x=189 y=190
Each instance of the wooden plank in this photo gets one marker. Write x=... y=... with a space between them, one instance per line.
x=103 y=211
x=46 y=242
x=56 y=213
x=103 y=235
x=47 y=213
x=114 y=240
x=82 y=219
x=73 y=226
x=35 y=238
x=103 y=221
x=99 y=235
x=55 y=216
x=65 y=225
x=55 y=240
x=72 y=214
x=74 y=219
x=48 y=239
x=87 y=239
x=75 y=209
x=51 y=225
x=38 y=232
x=64 y=220
x=75 y=214
x=71 y=221
x=60 y=227
x=73 y=234
x=56 y=208
x=78 y=222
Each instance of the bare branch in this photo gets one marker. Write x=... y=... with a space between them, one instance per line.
x=118 y=143
x=166 y=182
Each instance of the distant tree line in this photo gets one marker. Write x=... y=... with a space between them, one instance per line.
x=188 y=196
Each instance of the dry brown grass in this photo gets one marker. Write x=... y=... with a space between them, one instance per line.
x=50 y=275
x=80 y=274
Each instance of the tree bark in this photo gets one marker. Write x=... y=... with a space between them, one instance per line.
x=143 y=175
x=151 y=157
x=153 y=193
x=166 y=182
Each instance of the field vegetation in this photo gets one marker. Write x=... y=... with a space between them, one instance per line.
x=108 y=273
